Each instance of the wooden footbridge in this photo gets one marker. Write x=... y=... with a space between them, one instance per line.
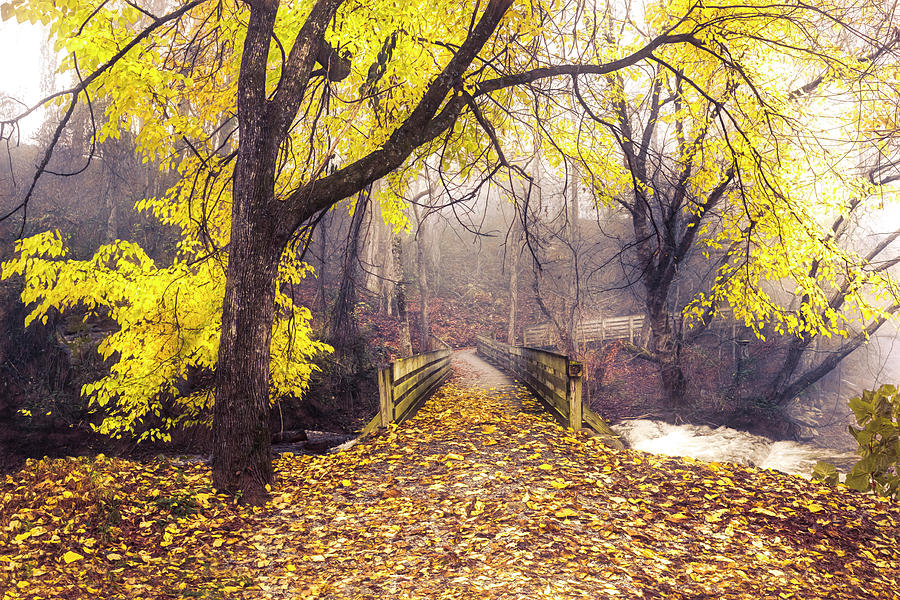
x=553 y=378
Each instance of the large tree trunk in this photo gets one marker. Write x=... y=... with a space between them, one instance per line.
x=261 y=225
x=242 y=459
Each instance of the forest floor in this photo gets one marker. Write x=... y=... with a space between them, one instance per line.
x=480 y=495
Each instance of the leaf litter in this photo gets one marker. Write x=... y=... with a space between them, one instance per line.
x=480 y=495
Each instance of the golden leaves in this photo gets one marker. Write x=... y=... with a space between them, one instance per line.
x=599 y=523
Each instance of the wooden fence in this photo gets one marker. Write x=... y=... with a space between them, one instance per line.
x=593 y=330
x=405 y=383
x=554 y=378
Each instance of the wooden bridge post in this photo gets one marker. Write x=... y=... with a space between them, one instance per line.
x=573 y=394
x=385 y=395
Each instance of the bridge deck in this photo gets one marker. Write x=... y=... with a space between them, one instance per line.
x=482 y=495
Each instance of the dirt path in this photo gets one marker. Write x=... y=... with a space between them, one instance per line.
x=472 y=371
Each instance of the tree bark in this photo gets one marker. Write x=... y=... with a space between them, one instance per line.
x=321 y=298
x=242 y=458
x=400 y=292
x=513 y=295
x=344 y=329
x=242 y=461
x=422 y=278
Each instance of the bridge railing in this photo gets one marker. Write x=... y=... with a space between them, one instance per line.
x=405 y=383
x=554 y=378
x=591 y=330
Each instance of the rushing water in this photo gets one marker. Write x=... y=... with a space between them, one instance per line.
x=729 y=445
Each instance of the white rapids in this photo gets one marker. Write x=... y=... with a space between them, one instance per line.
x=729 y=445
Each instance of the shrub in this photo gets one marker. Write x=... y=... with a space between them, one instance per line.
x=878 y=415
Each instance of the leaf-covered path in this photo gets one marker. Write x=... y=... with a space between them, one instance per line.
x=480 y=495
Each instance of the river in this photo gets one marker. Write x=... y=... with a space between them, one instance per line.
x=723 y=444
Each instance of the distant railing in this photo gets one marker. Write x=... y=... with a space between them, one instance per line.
x=440 y=343
x=405 y=383
x=554 y=378
x=593 y=330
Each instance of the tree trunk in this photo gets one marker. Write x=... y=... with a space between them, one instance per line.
x=321 y=299
x=666 y=346
x=242 y=457
x=400 y=291
x=513 y=254
x=242 y=461
x=262 y=225
x=573 y=214
x=422 y=276
x=513 y=296
x=344 y=328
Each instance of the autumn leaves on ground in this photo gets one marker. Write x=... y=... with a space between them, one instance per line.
x=481 y=495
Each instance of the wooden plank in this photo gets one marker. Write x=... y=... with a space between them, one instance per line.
x=414 y=379
x=550 y=359
x=404 y=405
x=411 y=379
x=553 y=384
x=372 y=425
x=606 y=435
x=548 y=396
x=406 y=366
x=385 y=397
x=574 y=401
x=412 y=383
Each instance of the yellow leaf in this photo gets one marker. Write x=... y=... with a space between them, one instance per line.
x=71 y=557
x=489 y=429
x=345 y=482
x=715 y=516
x=565 y=512
x=218 y=543
x=814 y=507
x=559 y=484
x=114 y=556
x=454 y=456
x=317 y=558
x=545 y=467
